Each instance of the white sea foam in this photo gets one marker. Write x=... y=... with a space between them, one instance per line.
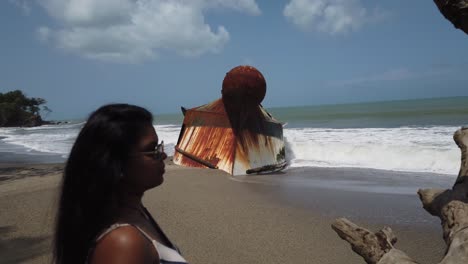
x=59 y=139
x=170 y=134
x=414 y=149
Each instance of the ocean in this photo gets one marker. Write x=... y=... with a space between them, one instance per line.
x=405 y=136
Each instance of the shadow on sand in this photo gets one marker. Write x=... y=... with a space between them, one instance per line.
x=21 y=249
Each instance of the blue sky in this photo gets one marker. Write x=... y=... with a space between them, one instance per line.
x=160 y=54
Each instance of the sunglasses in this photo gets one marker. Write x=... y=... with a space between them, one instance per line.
x=157 y=153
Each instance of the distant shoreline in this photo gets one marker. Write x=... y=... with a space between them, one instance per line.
x=396 y=136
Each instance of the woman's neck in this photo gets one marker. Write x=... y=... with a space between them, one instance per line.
x=131 y=200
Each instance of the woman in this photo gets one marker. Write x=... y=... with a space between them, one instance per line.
x=115 y=159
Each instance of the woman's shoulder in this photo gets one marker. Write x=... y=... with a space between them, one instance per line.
x=124 y=244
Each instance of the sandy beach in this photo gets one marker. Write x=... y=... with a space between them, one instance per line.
x=215 y=218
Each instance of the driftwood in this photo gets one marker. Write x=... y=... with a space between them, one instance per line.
x=451 y=206
x=456 y=11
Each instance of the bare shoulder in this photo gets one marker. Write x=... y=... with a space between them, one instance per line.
x=124 y=245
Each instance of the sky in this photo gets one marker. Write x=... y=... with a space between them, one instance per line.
x=163 y=54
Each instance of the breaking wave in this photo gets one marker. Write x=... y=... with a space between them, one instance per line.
x=413 y=149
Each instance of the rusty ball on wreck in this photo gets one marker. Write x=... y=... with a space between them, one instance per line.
x=243 y=85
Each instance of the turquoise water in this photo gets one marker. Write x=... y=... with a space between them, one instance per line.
x=422 y=112
x=452 y=111
x=168 y=119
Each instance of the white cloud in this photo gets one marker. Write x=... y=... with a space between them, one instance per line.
x=248 y=6
x=43 y=33
x=330 y=16
x=89 y=12
x=137 y=30
x=23 y=5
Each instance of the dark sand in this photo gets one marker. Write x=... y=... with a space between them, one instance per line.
x=214 y=218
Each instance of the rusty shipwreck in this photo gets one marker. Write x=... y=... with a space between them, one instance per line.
x=234 y=133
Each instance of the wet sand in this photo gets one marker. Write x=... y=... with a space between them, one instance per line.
x=214 y=218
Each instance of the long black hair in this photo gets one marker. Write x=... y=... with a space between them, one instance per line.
x=91 y=176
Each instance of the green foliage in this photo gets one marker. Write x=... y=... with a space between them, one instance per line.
x=18 y=110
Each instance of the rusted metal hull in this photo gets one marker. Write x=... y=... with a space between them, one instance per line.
x=250 y=142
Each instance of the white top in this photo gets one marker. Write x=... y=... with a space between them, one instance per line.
x=166 y=254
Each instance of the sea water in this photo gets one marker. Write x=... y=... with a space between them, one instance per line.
x=409 y=135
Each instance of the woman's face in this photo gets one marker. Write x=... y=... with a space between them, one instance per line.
x=144 y=170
